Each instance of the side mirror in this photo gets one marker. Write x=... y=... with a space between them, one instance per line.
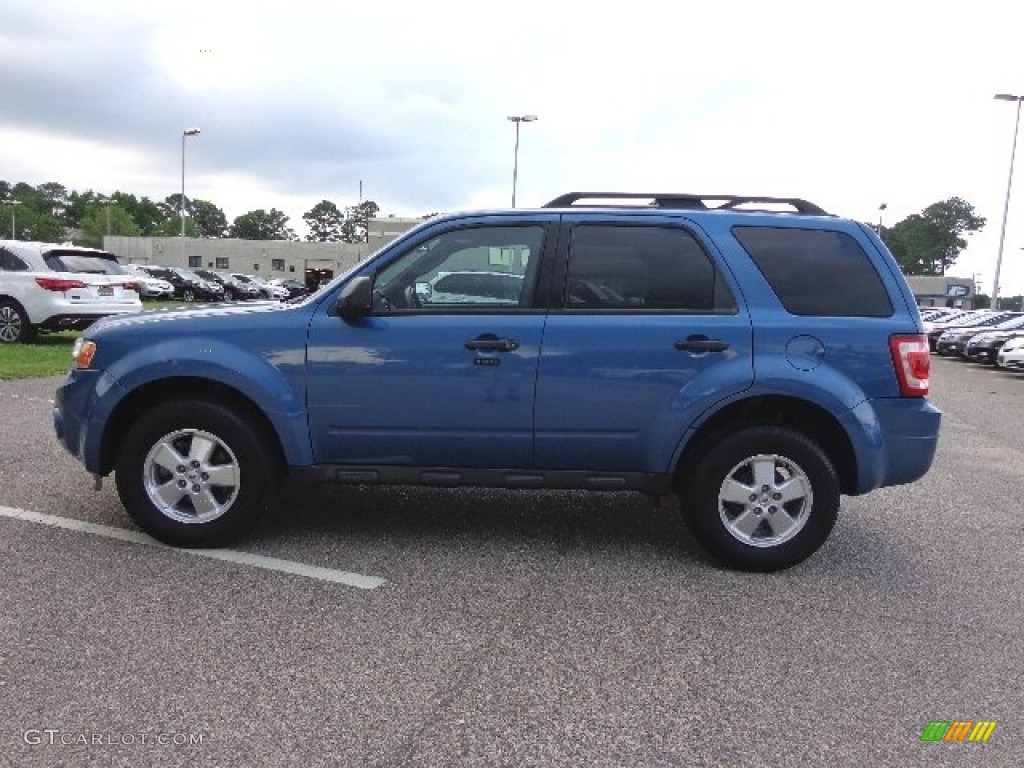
x=356 y=299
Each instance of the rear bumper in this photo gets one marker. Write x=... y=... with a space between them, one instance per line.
x=902 y=436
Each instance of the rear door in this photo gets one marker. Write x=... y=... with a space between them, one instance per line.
x=644 y=335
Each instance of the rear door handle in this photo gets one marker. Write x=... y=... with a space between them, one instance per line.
x=491 y=343
x=698 y=343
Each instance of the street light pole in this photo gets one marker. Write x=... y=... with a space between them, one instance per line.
x=517 y=119
x=184 y=134
x=881 y=208
x=13 y=204
x=1006 y=205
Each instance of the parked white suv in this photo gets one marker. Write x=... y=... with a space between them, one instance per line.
x=51 y=287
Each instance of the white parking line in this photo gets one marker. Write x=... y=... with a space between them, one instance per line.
x=357 y=580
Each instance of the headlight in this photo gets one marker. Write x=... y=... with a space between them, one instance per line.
x=83 y=352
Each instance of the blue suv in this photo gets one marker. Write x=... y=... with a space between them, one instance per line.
x=755 y=356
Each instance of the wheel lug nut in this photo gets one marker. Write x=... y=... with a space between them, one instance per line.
x=195 y=465
x=772 y=510
x=777 y=496
x=204 y=477
x=182 y=483
x=765 y=488
x=195 y=489
x=753 y=497
x=181 y=469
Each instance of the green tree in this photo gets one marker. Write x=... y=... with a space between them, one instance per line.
x=171 y=227
x=262 y=225
x=357 y=220
x=325 y=222
x=105 y=219
x=211 y=219
x=146 y=214
x=928 y=243
x=32 y=225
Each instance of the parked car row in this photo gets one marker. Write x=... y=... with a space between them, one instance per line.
x=992 y=337
x=198 y=284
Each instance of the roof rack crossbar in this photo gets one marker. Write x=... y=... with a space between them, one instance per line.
x=687 y=201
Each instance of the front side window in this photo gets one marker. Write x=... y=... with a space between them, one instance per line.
x=472 y=268
x=641 y=268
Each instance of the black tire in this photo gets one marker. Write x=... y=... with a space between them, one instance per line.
x=188 y=295
x=229 y=295
x=771 y=524
x=14 y=323
x=184 y=504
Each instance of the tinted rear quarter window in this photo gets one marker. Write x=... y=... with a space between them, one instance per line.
x=816 y=272
x=11 y=263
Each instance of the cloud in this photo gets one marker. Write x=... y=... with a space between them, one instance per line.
x=846 y=104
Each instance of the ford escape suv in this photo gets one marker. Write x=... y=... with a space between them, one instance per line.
x=755 y=356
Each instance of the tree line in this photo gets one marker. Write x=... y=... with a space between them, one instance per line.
x=925 y=243
x=51 y=213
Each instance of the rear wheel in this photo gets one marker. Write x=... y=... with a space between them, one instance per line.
x=14 y=323
x=761 y=499
x=194 y=473
x=188 y=294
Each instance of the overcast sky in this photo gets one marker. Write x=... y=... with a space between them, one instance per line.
x=847 y=104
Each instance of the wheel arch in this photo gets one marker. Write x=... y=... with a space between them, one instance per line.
x=794 y=413
x=159 y=391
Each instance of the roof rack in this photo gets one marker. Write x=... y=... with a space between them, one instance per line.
x=686 y=201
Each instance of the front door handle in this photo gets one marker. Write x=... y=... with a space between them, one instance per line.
x=491 y=343
x=699 y=343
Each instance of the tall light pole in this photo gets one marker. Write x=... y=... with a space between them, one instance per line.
x=881 y=208
x=184 y=134
x=517 y=119
x=1006 y=205
x=13 y=204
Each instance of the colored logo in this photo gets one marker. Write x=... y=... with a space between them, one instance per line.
x=958 y=730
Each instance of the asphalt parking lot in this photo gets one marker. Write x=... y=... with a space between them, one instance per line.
x=514 y=629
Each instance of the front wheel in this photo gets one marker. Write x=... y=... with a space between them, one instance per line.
x=761 y=499
x=194 y=473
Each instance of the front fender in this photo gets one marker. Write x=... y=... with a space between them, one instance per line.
x=273 y=381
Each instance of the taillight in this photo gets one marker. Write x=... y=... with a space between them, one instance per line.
x=913 y=363
x=59 y=284
x=132 y=287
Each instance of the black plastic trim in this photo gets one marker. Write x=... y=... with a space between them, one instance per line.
x=650 y=483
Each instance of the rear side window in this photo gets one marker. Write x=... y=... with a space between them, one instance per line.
x=83 y=262
x=816 y=272
x=642 y=268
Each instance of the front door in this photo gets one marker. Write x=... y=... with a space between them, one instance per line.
x=442 y=372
